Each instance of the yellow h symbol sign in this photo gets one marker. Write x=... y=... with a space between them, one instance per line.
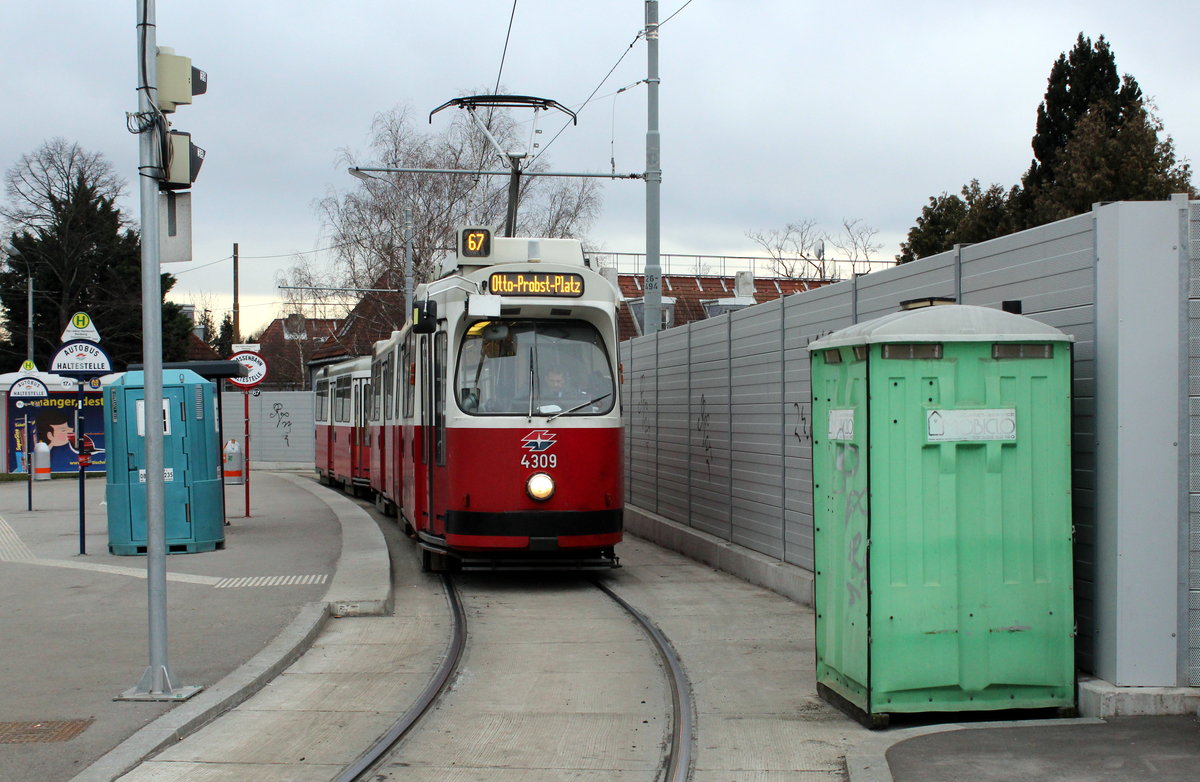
x=81 y=320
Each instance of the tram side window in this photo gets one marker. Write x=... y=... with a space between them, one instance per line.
x=376 y=390
x=439 y=394
x=323 y=401
x=538 y=367
x=388 y=387
x=470 y=387
x=341 y=400
x=408 y=378
x=400 y=360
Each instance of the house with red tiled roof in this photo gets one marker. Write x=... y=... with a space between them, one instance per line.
x=377 y=314
x=686 y=298
x=691 y=297
x=288 y=345
x=199 y=350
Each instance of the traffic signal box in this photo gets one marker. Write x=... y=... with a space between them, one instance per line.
x=191 y=464
x=178 y=82
x=942 y=513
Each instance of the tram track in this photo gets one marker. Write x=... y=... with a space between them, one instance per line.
x=676 y=763
x=377 y=753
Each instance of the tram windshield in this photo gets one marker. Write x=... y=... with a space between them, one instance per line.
x=534 y=368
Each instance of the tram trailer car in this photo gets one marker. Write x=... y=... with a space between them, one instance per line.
x=343 y=451
x=493 y=418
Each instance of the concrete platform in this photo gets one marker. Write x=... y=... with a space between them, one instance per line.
x=75 y=637
x=76 y=627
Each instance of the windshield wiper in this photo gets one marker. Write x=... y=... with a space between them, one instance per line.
x=579 y=406
x=532 y=377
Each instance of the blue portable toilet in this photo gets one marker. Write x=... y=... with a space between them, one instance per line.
x=193 y=490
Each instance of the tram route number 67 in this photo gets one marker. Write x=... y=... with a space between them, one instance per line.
x=539 y=461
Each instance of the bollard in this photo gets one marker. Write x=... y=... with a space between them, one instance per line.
x=41 y=462
x=232 y=464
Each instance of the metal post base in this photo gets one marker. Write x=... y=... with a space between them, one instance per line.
x=155 y=685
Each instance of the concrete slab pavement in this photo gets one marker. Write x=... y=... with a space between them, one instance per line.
x=1116 y=749
x=75 y=627
x=74 y=636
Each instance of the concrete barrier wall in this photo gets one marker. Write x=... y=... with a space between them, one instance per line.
x=281 y=426
x=1191 y=523
x=718 y=412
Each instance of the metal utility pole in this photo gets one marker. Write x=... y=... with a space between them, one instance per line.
x=652 y=303
x=408 y=262
x=29 y=322
x=237 y=323
x=156 y=682
x=514 y=193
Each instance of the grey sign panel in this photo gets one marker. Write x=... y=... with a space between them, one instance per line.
x=756 y=330
x=880 y=294
x=642 y=432
x=281 y=425
x=710 y=340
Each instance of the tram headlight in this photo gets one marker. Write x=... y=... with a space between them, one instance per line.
x=540 y=486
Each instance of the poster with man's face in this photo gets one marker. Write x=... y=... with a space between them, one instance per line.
x=52 y=421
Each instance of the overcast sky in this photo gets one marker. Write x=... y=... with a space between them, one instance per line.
x=772 y=111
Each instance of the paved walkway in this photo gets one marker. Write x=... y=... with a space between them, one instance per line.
x=75 y=628
x=73 y=636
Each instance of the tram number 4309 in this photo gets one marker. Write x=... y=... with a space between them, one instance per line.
x=539 y=461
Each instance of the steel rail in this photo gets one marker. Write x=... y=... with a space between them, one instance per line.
x=679 y=761
x=366 y=761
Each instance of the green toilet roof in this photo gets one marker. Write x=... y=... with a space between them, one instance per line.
x=944 y=323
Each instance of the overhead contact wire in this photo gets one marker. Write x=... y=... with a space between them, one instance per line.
x=641 y=34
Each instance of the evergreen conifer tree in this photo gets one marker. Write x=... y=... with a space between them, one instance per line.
x=1096 y=139
x=82 y=258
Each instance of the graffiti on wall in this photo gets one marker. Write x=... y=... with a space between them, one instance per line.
x=702 y=426
x=803 y=429
x=854 y=515
x=283 y=422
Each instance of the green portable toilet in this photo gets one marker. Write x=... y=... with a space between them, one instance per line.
x=942 y=513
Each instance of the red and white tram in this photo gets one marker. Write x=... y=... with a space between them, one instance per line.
x=493 y=418
x=343 y=439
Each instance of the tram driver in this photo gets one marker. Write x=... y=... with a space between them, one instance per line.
x=555 y=388
x=559 y=389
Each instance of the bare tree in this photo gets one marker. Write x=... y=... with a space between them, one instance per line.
x=69 y=236
x=204 y=305
x=46 y=175
x=312 y=291
x=40 y=178
x=797 y=250
x=365 y=225
x=561 y=209
x=856 y=243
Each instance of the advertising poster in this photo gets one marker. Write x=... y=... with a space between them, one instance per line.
x=52 y=421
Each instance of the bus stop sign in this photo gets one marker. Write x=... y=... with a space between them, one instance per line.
x=81 y=359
